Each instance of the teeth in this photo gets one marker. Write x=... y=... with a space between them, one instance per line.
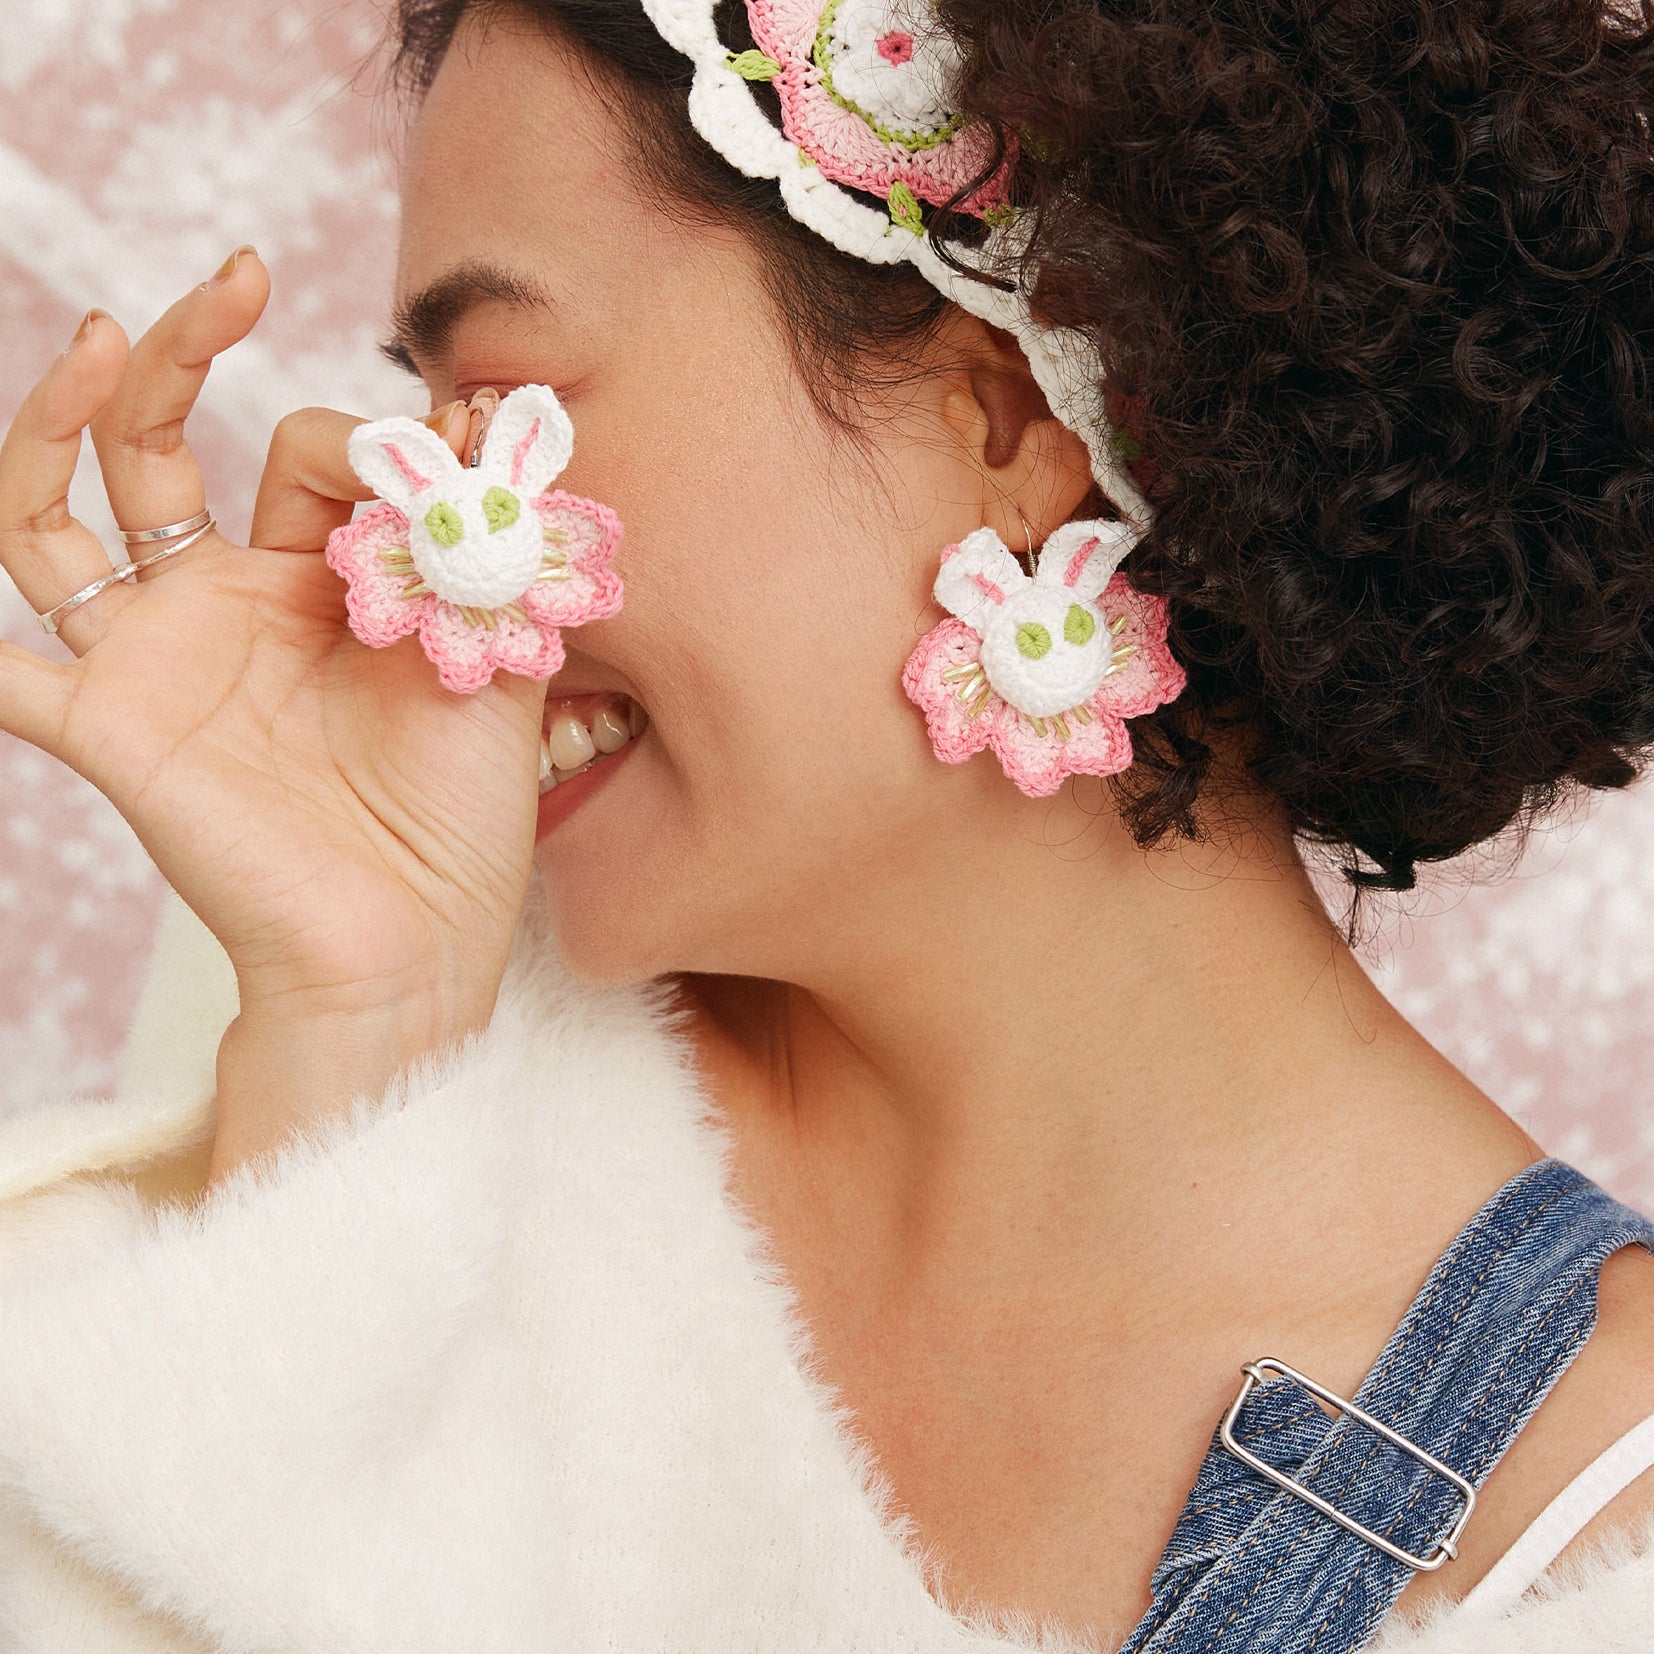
x=570 y=743
x=570 y=749
x=609 y=731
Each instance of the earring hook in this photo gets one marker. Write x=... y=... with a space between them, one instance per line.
x=1029 y=535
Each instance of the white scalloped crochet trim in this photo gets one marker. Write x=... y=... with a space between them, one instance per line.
x=724 y=110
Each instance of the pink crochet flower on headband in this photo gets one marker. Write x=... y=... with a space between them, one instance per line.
x=1045 y=671
x=483 y=563
x=865 y=88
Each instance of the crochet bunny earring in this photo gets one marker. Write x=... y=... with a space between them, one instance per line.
x=1043 y=669
x=485 y=563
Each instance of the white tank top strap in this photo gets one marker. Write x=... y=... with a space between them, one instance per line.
x=1597 y=1485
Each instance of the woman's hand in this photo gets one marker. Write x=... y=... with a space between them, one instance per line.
x=358 y=838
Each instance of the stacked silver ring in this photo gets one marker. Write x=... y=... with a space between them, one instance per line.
x=185 y=534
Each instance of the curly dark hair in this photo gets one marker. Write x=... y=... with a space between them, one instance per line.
x=1372 y=283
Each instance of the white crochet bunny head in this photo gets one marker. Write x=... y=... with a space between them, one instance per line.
x=474 y=539
x=1045 y=646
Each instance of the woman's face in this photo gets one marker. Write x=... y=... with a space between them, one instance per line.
x=776 y=577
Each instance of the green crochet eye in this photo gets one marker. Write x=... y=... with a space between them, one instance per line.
x=1033 y=639
x=1080 y=625
x=445 y=523
x=502 y=508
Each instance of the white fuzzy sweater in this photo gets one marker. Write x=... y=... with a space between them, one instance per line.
x=492 y=1367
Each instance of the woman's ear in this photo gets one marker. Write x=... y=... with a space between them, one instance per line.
x=1034 y=469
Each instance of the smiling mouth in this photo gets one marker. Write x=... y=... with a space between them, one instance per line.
x=580 y=731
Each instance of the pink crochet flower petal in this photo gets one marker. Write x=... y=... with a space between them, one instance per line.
x=1152 y=676
x=378 y=612
x=467 y=656
x=843 y=143
x=954 y=734
x=592 y=590
x=526 y=648
x=786 y=29
x=1039 y=764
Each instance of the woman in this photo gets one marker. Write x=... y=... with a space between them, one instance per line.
x=768 y=1188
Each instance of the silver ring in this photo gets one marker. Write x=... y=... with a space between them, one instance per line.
x=52 y=617
x=171 y=551
x=146 y=536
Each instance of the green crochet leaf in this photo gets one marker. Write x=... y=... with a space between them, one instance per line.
x=1126 y=446
x=1038 y=147
x=905 y=209
x=753 y=65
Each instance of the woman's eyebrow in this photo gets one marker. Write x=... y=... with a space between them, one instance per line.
x=423 y=326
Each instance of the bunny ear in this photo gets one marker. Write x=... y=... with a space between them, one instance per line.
x=530 y=440
x=977 y=575
x=399 y=458
x=1083 y=556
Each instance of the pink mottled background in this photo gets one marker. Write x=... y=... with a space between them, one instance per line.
x=140 y=140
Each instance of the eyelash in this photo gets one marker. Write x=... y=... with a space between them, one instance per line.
x=398 y=357
x=395 y=354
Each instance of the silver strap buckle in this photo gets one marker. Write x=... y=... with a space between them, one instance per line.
x=1445 y=1550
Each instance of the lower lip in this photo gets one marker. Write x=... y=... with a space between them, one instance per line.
x=567 y=796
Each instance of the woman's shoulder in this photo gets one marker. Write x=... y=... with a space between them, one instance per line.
x=1613 y=1398
x=1563 y=1527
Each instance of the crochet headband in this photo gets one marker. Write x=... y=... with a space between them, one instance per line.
x=866 y=90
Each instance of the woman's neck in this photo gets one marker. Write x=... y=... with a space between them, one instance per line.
x=1093 y=1036
x=1048 y=1143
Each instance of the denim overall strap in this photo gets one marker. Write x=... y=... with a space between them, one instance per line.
x=1253 y=1566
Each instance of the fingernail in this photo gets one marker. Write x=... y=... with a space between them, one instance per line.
x=227 y=269
x=441 y=418
x=88 y=322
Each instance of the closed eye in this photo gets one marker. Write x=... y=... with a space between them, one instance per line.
x=396 y=353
